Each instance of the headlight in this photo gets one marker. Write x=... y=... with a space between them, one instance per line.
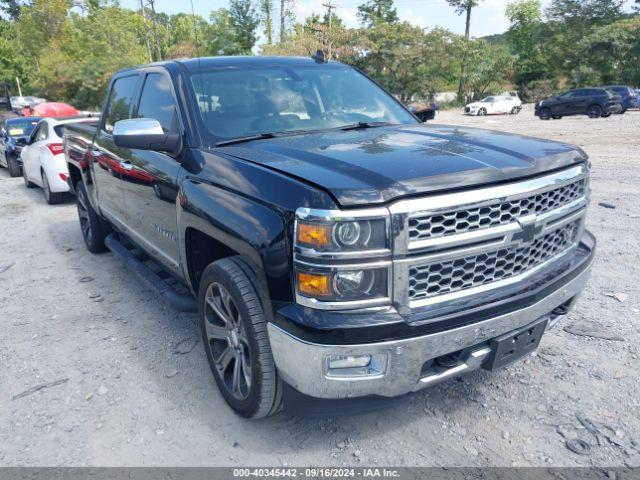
x=353 y=285
x=342 y=258
x=318 y=233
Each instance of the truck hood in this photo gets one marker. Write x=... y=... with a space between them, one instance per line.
x=381 y=164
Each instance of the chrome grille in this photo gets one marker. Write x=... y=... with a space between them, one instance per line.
x=449 y=276
x=424 y=226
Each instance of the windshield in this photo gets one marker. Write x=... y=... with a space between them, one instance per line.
x=21 y=128
x=236 y=103
x=489 y=99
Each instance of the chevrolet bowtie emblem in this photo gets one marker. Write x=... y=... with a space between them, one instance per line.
x=530 y=229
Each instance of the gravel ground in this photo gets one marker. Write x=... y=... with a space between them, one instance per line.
x=126 y=398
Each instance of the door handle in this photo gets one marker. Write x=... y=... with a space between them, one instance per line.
x=125 y=165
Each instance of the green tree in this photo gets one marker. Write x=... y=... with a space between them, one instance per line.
x=609 y=54
x=245 y=21
x=464 y=6
x=407 y=61
x=376 y=12
x=266 y=11
x=490 y=66
x=223 y=39
x=570 y=21
x=523 y=36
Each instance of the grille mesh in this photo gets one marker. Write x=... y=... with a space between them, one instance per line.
x=472 y=271
x=459 y=221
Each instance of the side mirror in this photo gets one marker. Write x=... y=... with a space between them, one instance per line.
x=22 y=141
x=145 y=134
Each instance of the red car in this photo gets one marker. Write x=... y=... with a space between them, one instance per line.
x=50 y=109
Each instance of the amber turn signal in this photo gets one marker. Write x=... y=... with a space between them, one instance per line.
x=314 y=235
x=314 y=285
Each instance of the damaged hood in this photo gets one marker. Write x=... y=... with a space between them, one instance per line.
x=378 y=165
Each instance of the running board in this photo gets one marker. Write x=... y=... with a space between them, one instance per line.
x=183 y=302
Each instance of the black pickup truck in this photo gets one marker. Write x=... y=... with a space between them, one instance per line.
x=333 y=246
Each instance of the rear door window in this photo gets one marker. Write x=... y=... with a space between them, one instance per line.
x=120 y=99
x=157 y=102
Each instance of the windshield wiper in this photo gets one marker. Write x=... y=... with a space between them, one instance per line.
x=262 y=136
x=361 y=125
x=248 y=138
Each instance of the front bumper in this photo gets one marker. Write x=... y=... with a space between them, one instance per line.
x=398 y=366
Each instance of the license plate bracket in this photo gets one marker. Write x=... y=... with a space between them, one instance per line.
x=514 y=345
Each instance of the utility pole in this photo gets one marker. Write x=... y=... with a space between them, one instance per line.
x=146 y=31
x=330 y=7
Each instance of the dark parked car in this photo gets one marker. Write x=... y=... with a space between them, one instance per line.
x=629 y=97
x=14 y=135
x=334 y=246
x=594 y=102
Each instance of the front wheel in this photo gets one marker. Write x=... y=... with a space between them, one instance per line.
x=557 y=117
x=545 y=113
x=482 y=112
x=605 y=115
x=594 y=111
x=233 y=326
x=93 y=231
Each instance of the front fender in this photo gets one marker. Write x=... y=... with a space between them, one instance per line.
x=247 y=227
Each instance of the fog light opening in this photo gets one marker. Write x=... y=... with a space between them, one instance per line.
x=354 y=366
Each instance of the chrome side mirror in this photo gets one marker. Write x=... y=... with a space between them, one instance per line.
x=145 y=134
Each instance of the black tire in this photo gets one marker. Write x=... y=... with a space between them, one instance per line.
x=515 y=110
x=594 y=111
x=52 y=198
x=621 y=112
x=27 y=183
x=14 y=168
x=545 y=113
x=556 y=117
x=482 y=112
x=605 y=115
x=93 y=230
x=228 y=290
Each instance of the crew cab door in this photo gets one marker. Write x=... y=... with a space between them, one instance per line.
x=31 y=153
x=109 y=161
x=150 y=181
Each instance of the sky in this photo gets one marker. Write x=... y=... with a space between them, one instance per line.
x=488 y=18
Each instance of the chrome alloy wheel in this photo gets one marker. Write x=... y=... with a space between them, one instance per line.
x=227 y=341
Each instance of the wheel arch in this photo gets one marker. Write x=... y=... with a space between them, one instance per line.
x=236 y=226
x=74 y=176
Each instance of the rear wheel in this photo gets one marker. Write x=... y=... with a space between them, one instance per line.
x=557 y=117
x=605 y=115
x=545 y=113
x=594 y=111
x=233 y=326
x=622 y=111
x=516 y=110
x=52 y=198
x=14 y=168
x=93 y=231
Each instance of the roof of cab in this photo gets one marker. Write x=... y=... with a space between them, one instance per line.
x=234 y=61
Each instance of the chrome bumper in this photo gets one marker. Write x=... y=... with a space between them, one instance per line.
x=398 y=364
